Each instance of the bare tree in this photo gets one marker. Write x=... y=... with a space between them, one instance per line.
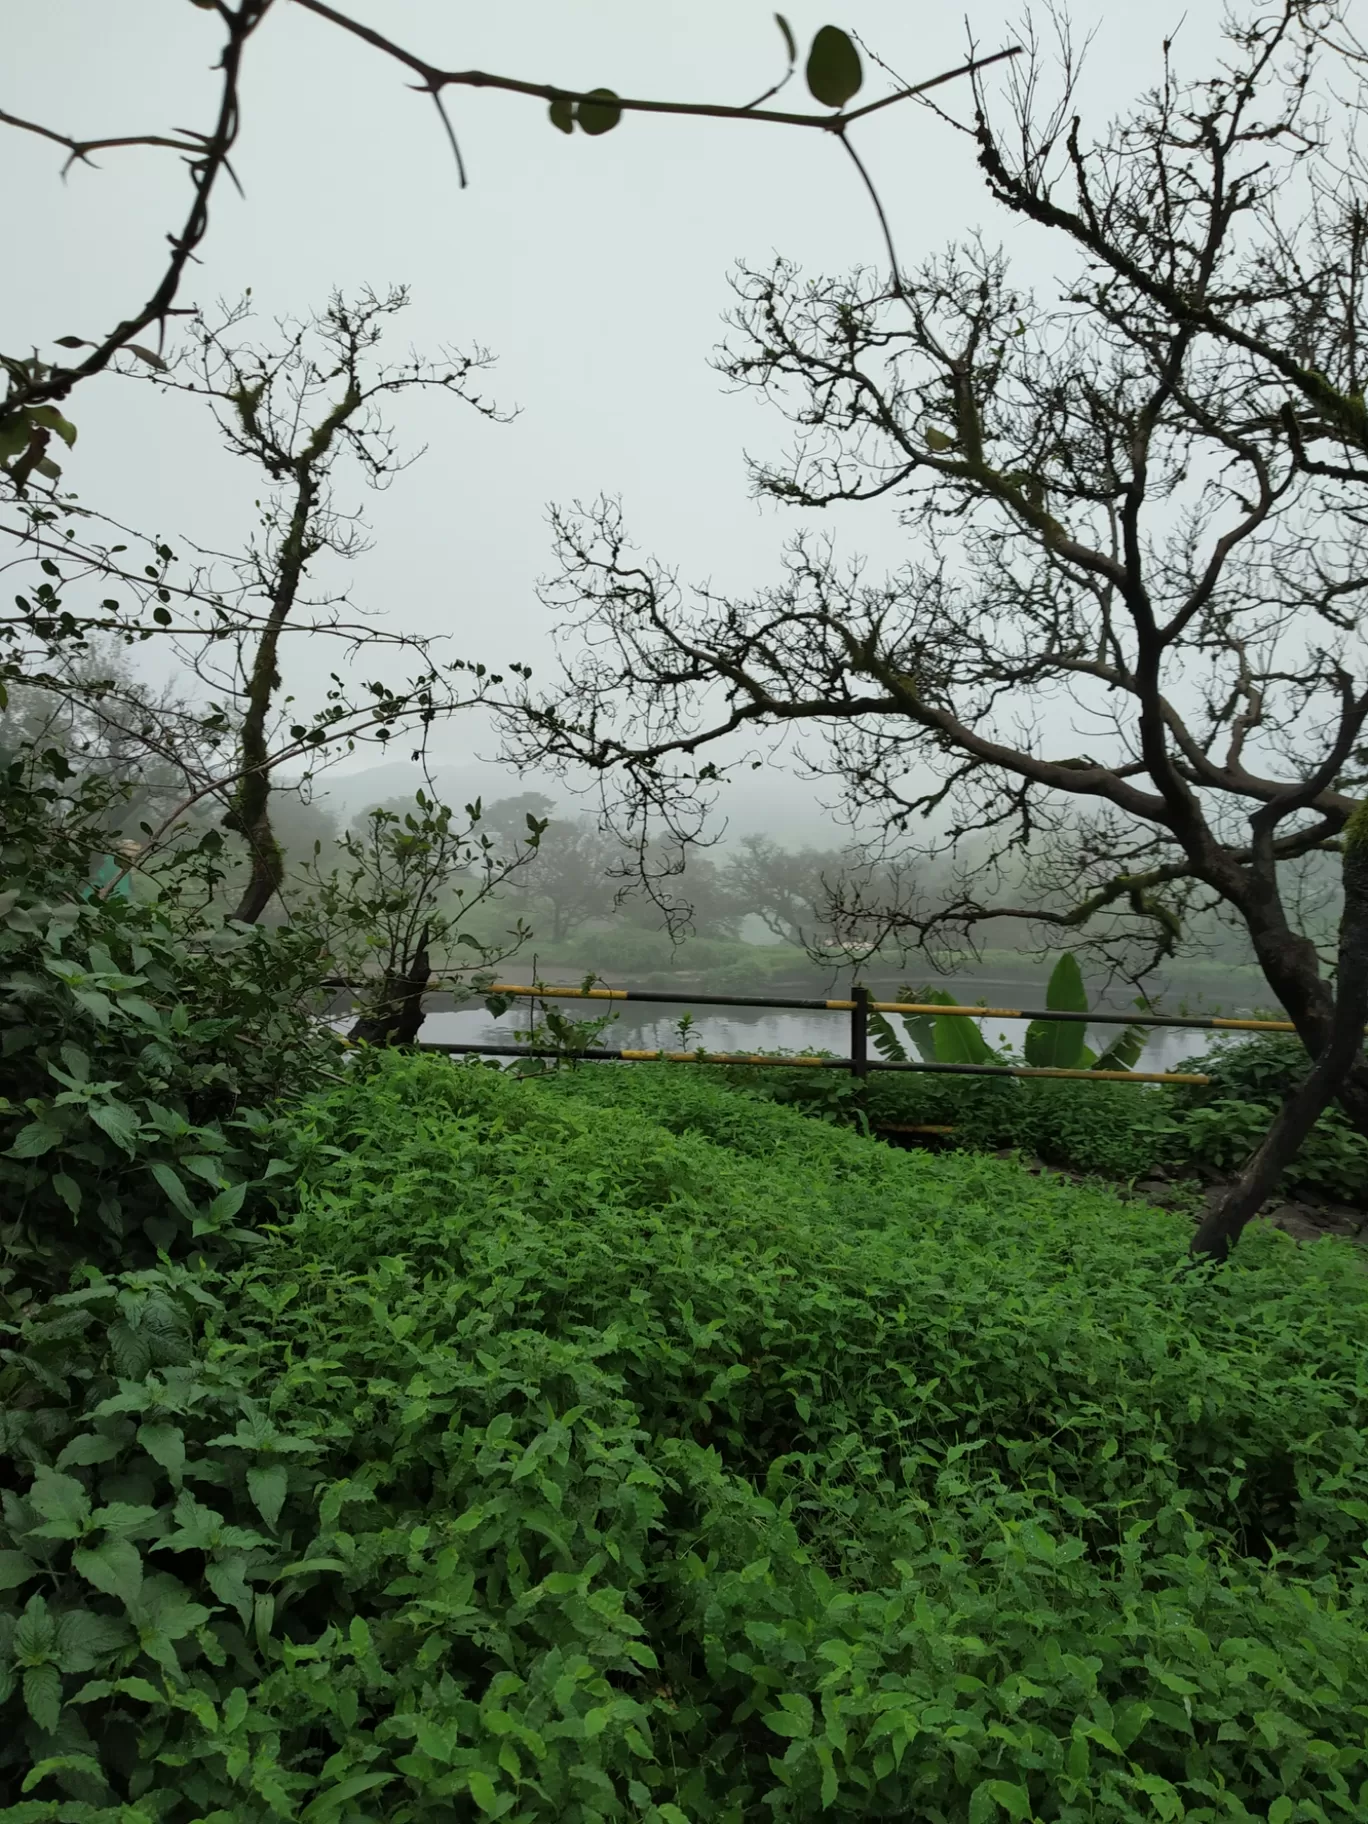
x=794 y=893
x=295 y=409
x=1130 y=645
x=292 y=412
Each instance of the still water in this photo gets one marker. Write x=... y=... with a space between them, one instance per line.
x=653 y=1028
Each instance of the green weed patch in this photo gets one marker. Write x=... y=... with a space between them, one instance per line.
x=618 y=1446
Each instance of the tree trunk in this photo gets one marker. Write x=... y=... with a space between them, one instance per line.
x=1339 y=1056
x=268 y=869
x=394 y=1019
x=1291 y=969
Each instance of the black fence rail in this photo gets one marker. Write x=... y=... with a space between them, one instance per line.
x=859 y=1006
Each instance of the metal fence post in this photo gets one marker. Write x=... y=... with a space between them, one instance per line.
x=859 y=1033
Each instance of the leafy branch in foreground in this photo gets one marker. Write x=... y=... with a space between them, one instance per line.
x=29 y=418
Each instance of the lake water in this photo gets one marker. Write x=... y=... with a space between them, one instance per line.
x=651 y=1027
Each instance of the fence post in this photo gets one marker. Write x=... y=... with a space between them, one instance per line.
x=859 y=1033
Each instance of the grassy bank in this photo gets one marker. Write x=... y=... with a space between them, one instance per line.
x=616 y=1446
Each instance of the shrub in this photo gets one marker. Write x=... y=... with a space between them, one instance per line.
x=1118 y=1130
x=141 y=1049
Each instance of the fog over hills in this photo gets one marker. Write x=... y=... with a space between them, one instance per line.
x=772 y=801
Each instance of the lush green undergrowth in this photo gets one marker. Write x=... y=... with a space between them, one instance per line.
x=616 y=1446
x=1118 y=1130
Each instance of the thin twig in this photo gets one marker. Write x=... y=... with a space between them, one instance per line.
x=435 y=79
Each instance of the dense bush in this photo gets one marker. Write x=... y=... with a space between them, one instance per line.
x=142 y=1047
x=617 y=1446
x=1118 y=1130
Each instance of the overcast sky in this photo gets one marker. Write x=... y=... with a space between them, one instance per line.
x=596 y=270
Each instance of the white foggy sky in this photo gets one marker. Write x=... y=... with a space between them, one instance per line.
x=595 y=270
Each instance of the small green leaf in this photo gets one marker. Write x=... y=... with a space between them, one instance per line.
x=784 y=1722
x=562 y=114
x=1013 y=1799
x=120 y=1123
x=73 y=342
x=114 y=1566
x=937 y=439
x=833 y=68
x=43 y=1696
x=16 y=1569
x=790 y=43
x=482 y=1790
x=170 y=1182
x=84 y=1764
x=58 y=1497
x=228 y=1203
x=267 y=1485
x=90 y=1447
x=147 y=354
x=337 y=1799
x=68 y=1190
x=33 y=1141
x=598 y=116
x=165 y=1444
x=52 y=420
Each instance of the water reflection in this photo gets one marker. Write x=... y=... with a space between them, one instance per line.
x=653 y=1028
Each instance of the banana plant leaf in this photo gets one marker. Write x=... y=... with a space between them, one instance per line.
x=921 y=1027
x=886 y=1042
x=1060 y=1044
x=1124 y=1051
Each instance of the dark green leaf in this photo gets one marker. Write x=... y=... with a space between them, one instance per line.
x=562 y=114
x=131 y=1356
x=833 y=68
x=84 y=1639
x=598 y=116
x=790 y=43
x=14 y=436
